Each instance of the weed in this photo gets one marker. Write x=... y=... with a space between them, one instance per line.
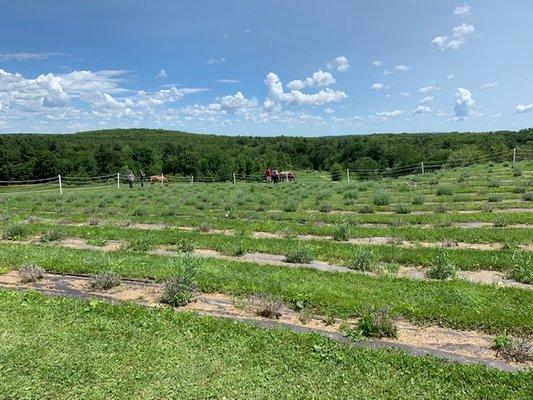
x=519 y=350
x=377 y=323
x=528 y=196
x=440 y=208
x=494 y=198
x=185 y=246
x=266 y=305
x=362 y=259
x=291 y=206
x=521 y=269
x=180 y=290
x=340 y=232
x=443 y=268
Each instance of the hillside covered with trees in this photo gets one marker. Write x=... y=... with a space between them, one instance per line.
x=33 y=156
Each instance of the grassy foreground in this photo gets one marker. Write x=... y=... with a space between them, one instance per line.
x=62 y=348
x=457 y=304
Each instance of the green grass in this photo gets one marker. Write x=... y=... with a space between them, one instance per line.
x=67 y=349
x=456 y=304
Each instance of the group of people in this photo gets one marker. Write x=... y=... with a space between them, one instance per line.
x=271 y=175
x=130 y=178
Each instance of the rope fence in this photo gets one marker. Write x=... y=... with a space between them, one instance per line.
x=75 y=183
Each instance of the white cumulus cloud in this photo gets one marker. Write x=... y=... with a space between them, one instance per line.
x=420 y=110
x=377 y=63
x=522 y=108
x=489 y=85
x=426 y=100
x=377 y=86
x=465 y=9
x=401 y=67
x=463 y=103
x=319 y=79
x=162 y=74
x=458 y=39
x=340 y=63
x=213 y=60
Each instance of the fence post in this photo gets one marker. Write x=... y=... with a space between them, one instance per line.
x=348 y=174
x=60 y=185
x=514 y=155
x=234 y=179
x=192 y=179
x=118 y=180
x=422 y=165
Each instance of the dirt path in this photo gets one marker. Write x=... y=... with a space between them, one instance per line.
x=480 y=277
x=466 y=347
x=373 y=241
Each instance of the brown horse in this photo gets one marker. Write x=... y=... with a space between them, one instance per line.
x=287 y=176
x=159 y=179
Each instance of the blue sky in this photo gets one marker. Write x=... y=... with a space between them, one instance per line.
x=266 y=68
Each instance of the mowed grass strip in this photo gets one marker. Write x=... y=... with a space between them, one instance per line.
x=71 y=349
x=330 y=251
x=455 y=304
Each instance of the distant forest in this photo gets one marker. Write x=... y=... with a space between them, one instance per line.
x=33 y=156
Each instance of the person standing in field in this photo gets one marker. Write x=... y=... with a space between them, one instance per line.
x=142 y=177
x=130 y=179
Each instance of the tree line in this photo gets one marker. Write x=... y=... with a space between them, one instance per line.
x=34 y=156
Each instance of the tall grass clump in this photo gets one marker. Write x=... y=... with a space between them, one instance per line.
x=375 y=323
x=362 y=259
x=30 y=273
x=381 y=199
x=15 y=231
x=340 y=232
x=444 y=190
x=521 y=269
x=53 y=235
x=443 y=269
x=180 y=290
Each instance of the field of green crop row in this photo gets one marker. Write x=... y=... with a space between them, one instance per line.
x=487 y=207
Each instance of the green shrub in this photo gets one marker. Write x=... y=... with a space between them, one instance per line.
x=235 y=250
x=340 y=232
x=326 y=208
x=519 y=190
x=185 y=246
x=440 y=208
x=377 y=323
x=493 y=183
x=528 y=196
x=366 y=209
x=15 y=231
x=494 y=198
x=443 y=268
x=419 y=200
x=299 y=255
x=104 y=281
x=518 y=350
x=401 y=209
x=180 y=290
x=30 y=273
x=521 y=269
x=444 y=190
x=53 y=235
x=381 y=199
x=517 y=172
x=362 y=259
x=290 y=206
